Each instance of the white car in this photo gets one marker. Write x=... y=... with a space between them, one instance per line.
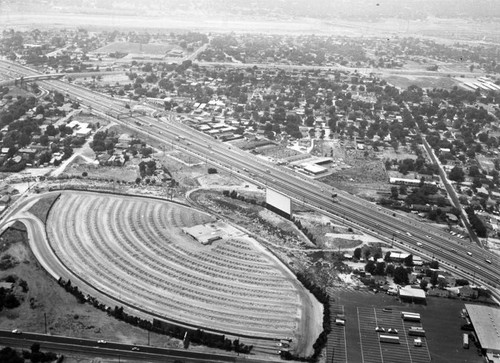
x=101 y=341
x=17 y=331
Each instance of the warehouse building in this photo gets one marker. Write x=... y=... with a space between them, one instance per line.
x=486 y=323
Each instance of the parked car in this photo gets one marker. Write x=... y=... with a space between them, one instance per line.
x=379 y=329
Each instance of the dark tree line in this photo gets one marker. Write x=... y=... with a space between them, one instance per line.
x=197 y=336
x=322 y=296
x=476 y=223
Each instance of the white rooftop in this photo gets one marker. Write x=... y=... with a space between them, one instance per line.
x=486 y=322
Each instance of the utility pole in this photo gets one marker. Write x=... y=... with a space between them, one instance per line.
x=45 y=319
x=148 y=336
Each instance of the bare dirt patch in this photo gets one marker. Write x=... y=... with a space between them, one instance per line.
x=365 y=177
x=136 y=48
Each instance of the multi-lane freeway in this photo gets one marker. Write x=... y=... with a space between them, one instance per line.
x=405 y=232
x=112 y=350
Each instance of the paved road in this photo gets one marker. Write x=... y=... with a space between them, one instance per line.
x=452 y=193
x=86 y=347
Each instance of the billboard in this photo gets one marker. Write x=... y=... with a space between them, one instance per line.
x=278 y=201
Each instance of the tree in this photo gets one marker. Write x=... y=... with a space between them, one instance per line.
x=434 y=278
x=457 y=174
x=408 y=261
x=434 y=264
x=357 y=253
x=389 y=270
x=35 y=348
x=370 y=267
x=9 y=355
x=40 y=110
x=51 y=130
x=474 y=171
x=380 y=269
x=394 y=192
x=400 y=276
x=423 y=285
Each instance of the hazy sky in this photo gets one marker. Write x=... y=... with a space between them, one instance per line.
x=313 y=8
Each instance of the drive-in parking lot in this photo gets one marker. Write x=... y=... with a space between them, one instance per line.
x=358 y=341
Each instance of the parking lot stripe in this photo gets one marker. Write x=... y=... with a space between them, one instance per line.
x=360 y=338
x=379 y=345
x=345 y=340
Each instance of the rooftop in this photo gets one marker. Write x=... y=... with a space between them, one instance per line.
x=486 y=322
x=411 y=292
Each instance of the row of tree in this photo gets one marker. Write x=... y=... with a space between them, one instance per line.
x=197 y=336
x=322 y=296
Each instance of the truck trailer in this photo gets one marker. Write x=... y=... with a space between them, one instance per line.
x=418 y=332
x=410 y=316
x=388 y=339
x=465 y=342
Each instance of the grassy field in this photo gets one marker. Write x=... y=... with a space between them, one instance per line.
x=42 y=207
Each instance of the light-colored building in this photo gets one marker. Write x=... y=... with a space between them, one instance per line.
x=486 y=323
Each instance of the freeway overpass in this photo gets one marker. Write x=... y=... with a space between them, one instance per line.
x=405 y=232
x=21 y=80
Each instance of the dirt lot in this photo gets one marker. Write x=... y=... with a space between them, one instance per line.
x=365 y=177
x=137 y=48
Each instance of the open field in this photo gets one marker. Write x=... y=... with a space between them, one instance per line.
x=134 y=250
x=423 y=82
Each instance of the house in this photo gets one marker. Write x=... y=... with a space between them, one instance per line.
x=468 y=292
x=438 y=292
x=124 y=138
x=5 y=199
x=27 y=154
x=103 y=159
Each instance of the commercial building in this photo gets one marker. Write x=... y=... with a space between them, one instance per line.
x=204 y=233
x=410 y=294
x=486 y=323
